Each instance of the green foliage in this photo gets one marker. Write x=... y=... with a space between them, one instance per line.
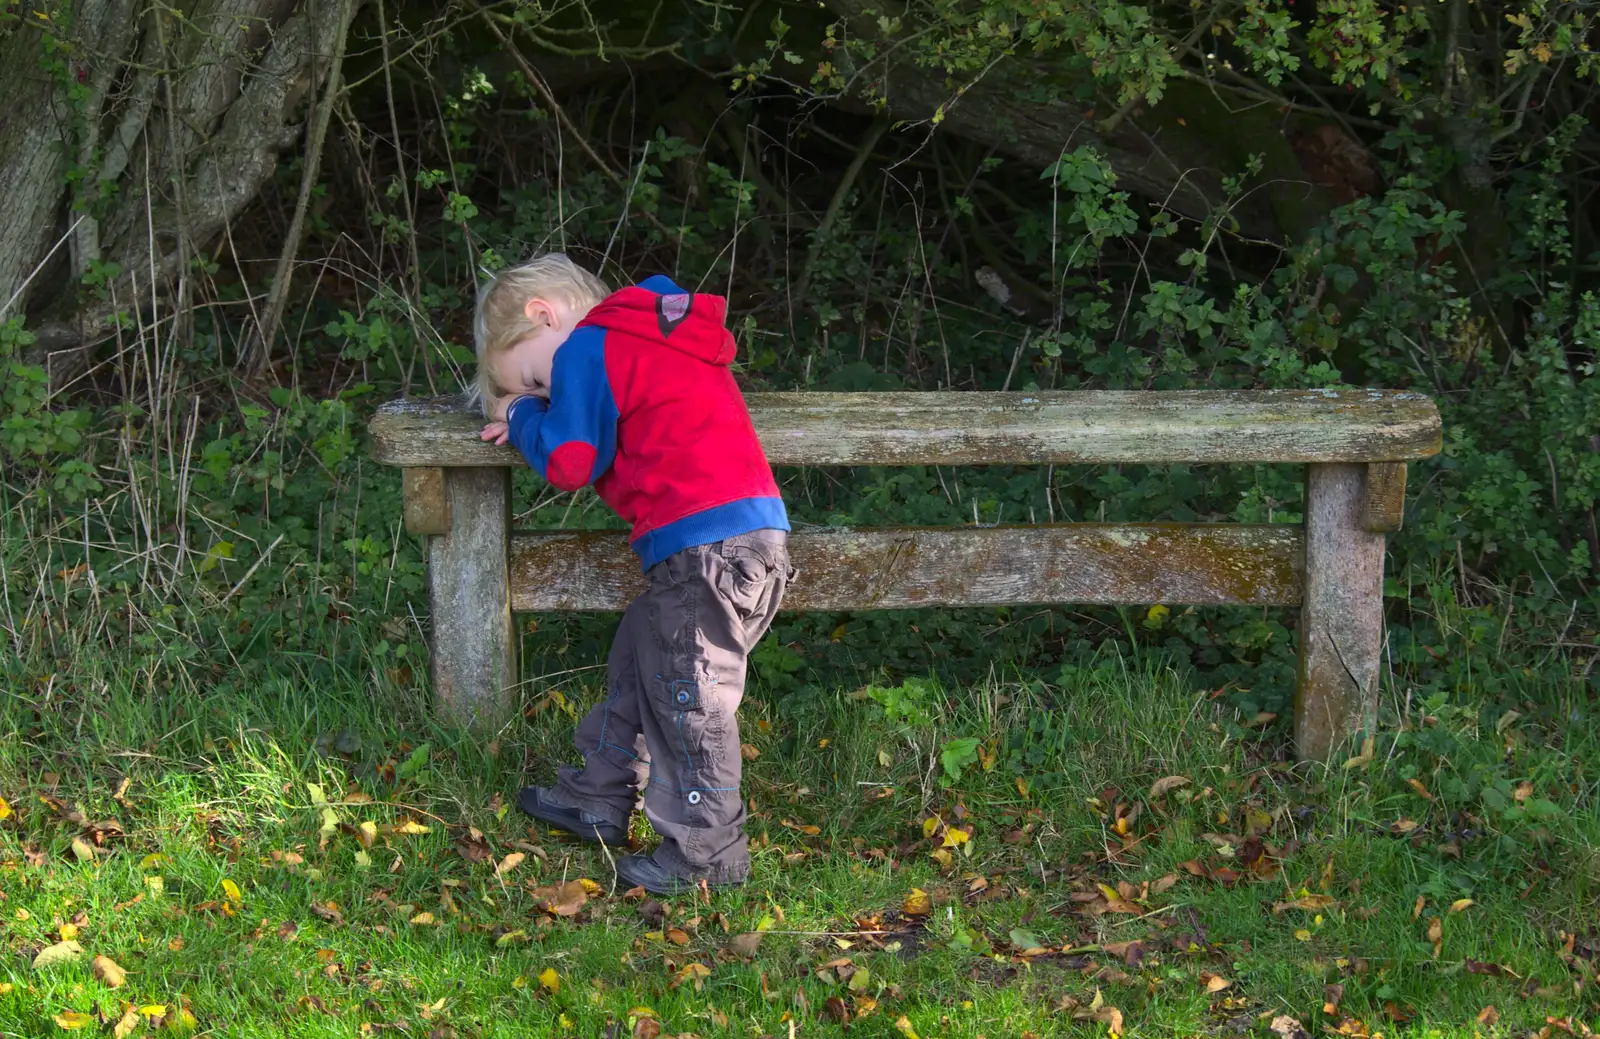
x=36 y=441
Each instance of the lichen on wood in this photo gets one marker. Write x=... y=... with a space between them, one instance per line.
x=1062 y=427
x=909 y=567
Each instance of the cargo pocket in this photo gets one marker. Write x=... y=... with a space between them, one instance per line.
x=744 y=576
x=683 y=709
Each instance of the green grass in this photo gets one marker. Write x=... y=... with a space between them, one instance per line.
x=219 y=793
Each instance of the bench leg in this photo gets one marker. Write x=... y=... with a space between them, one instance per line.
x=474 y=644
x=1341 y=619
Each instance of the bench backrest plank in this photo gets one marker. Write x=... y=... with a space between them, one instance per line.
x=1090 y=427
x=1196 y=564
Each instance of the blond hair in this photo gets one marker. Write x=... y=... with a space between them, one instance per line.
x=501 y=319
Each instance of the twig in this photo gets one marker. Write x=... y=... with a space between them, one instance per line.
x=538 y=84
x=317 y=134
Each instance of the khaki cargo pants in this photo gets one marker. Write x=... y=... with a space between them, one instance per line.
x=667 y=728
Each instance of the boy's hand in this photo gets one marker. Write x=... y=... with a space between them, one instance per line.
x=497 y=432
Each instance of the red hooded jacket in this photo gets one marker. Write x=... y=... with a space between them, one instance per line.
x=643 y=406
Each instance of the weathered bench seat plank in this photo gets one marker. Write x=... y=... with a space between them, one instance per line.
x=1198 y=564
x=1088 y=427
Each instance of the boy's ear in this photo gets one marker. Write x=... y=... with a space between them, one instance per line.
x=540 y=312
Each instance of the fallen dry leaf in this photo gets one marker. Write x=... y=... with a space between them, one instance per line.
x=1460 y=904
x=745 y=945
x=904 y=1027
x=509 y=863
x=5 y=810
x=1435 y=929
x=1422 y=791
x=1310 y=903
x=676 y=936
x=748 y=752
x=918 y=903
x=1289 y=1027
x=1331 y=996
x=1214 y=982
x=60 y=952
x=549 y=980
x=563 y=899
x=72 y=1020
x=1488 y=1017
x=1162 y=787
x=646 y=1028
x=127 y=1024
x=108 y=971
x=835 y=1011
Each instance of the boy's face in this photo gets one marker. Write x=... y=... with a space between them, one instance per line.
x=524 y=369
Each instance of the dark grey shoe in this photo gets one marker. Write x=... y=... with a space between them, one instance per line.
x=537 y=802
x=643 y=871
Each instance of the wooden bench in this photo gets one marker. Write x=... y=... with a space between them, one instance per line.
x=1355 y=445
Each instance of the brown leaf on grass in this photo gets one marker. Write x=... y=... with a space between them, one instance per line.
x=646 y=1028
x=562 y=899
x=1422 y=791
x=509 y=863
x=1214 y=982
x=1131 y=953
x=805 y=828
x=1493 y=970
x=652 y=911
x=328 y=912
x=1331 y=996
x=1162 y=787
x=1488 y=1017
x=694 y=973
x=473 y=847
x=1435 y=929
x=1101 y=1011
x=918 y=903
x=287 y=929
x=108 y=971
x=1416 y=910
x=1195 y=868
x=1397 y=1013
x=1289 y=1027
x=677 y=936
x=127 y=1024
x=744 y=946
x=1164 y=884
x=1523 y=791
x=1310 y=903
x=748 y=752
x=835 y=1010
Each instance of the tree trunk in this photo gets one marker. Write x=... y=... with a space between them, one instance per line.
x=133 y=134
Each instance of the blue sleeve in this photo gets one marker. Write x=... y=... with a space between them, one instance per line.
x=570 y=439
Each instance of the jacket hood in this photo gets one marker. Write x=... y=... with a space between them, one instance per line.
x=659 y=311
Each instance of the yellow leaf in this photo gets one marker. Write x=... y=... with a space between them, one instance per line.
x=1422 y=791
x=941 y=856
x=182 y=1021
x=72 y=1020
x=231 y=889
x=1302 y=935
x=412 y=828
x=930 y=824
x=566 y=1022
x=903 y=1026
x=509 y=937
x=1215 y=982
x=422 y=920
x=5 y=810
x=918 y=903
x=589 y=886
x=69 y=932
x=1461 y=903
x=823 y=744
x=60 y=952
x=152 y=860
x=82 y=850
x=156 y=884
x=154 y=1010
x=509 y=863
x=1435 y=929
x=955 y=838
x=549 y=980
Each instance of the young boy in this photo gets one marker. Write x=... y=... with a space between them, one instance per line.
x=631 y=392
